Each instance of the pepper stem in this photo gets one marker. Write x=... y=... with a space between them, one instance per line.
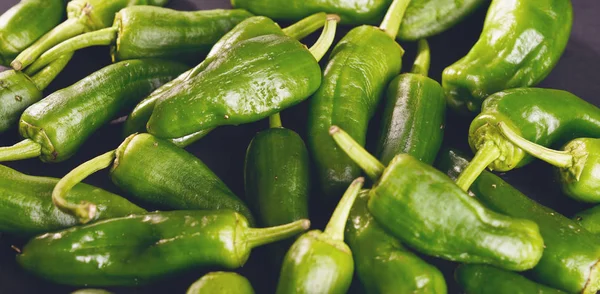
x=306 y=26
x=98 y=38
x=484 y=157
x=393 y=17
x=43 y=78
x=258 y=237
x=275 y=121
x=319 y=49
x=561 y=159
x=68 y=29
x=423 y=60
x=84 y=210
x=372 y=167
x=337 y=223
x=23 y=150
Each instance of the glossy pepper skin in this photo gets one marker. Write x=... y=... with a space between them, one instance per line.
x=157 y=245
x=18 y=29
x=383 y=264
x=28 y=209
x=485 y=279
x=520 y=44
x=221 y=282
x=571 y=254
x=589 y=219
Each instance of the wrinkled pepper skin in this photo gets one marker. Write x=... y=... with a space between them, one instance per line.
x=571 y=254
x=18 y=29
x=222 y=283
x=28 y=208
x=61 y=122
x=383 y=265
x=589 y=219
x=360 y=67
x=485 y=279
x=520 y=44
x=17 y=92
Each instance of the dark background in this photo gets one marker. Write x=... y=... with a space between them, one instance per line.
x=224 y=149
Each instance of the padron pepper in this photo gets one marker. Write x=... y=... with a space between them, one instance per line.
x=485 y=279
x=589 y=219
x=55 y=127
x=142 y=249
x=425 y=210
x=520 y=44
x=222 y=283
x=571 y=255
x=543 y=116
x=320 y=262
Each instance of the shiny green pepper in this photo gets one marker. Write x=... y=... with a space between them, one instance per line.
x=222 y=283
x=425 y=210
x=485 y=279
x=520 y=44
x=141 y=249
x=589 y=219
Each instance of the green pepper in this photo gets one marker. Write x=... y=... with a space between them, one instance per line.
x=91 y=291
x=543 y=116
x=425 y=210
x=18 y=29
x=154 y=32
x=485 y=279
x=82 y=16
x=571 y=254
x=520 y=44
x=55 y=127
x=26 y=202
x=589 y=219
x=414 y=115
x=222 y=283
x=141 y=249
x=360 y=67
x=320 y=262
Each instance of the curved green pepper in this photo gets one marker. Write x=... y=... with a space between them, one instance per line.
x=571 y=254
x=320 y=262
x=18 y=29
x=26 y=202
x=141 y=249
x=589 y=219
x=383 y=265
x=520 y=44
x=56 y=126
x=427 y=211
x=222 y=283
x=82 y=16
x=485 y=279
x=543 y=116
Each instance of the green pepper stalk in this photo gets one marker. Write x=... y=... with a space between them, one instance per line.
x=222 y=283
x=320 y=262
x=156 y=245
x=424 y=209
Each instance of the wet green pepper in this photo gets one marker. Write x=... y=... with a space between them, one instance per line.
x=55 y=127
x=18 y=29
x=544 y=116
x=222 y=283
x=589 y=219
x=571 y=254
x=141 y=249
x=520 y=44
x=425 y=210
x=28 y=208
x=320 y=262
x=360 y=67
x=82 y=16
x=485 y=279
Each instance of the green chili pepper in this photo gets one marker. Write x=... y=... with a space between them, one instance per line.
x=26 y=202
x=18 y=29
x=141 y=249
x=426 y=210
x=222 y=283
x=360 y=67
x=55 y=127
x=571 y=254
x=520 y=44
x=589 y=219
x=154 y=32
x=415 y=110
x=320 y=262
x=544 y=116
x=485 y=279
x=91 y=291
x=83 y=16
